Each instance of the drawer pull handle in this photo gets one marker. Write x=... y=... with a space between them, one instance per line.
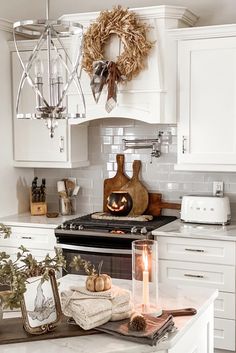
x=184 y=140
x=195 y=250
x=23 y=237
x=193 y=276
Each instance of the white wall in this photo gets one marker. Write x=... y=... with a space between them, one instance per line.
x=14 y=192
x=209 y=11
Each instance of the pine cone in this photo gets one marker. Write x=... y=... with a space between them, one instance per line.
x=137 y=322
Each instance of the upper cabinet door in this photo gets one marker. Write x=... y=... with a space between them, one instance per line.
x=32 y=142
x=207 y=104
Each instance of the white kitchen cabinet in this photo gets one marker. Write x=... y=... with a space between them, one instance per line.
x=204 y=263
x=207 y=105
x=150 y=96
x=39 y=241
x=33 y=147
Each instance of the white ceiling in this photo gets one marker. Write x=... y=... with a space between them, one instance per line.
x=210 y=11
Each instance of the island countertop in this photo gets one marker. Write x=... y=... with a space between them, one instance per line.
x=170 y=297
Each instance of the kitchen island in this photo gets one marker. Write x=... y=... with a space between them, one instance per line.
x=193 y=334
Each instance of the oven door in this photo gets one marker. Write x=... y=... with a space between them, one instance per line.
x=116 y=262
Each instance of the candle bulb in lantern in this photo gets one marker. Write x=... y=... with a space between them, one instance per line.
x=145 y=281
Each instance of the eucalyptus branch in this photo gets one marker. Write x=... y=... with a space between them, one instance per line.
x=5 y=230
x=14 y=274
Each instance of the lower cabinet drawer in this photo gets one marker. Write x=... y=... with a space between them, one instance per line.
x=29 y=237
x=224 y=334
x=224 y=306
x=196 y=250
x=38 y=254
x=196 y=274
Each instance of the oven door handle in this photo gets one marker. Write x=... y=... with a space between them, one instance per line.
x=97 y=250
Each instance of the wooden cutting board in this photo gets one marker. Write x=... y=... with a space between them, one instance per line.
x=12 y=331
x=115 y=183
x=137 y=191
x=155 y=204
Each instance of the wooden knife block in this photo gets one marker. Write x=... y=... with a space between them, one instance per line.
x=37 y=208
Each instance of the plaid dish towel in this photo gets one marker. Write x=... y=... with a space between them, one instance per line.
x=156 y=329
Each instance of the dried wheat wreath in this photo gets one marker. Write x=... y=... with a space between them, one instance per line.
x=132 y=32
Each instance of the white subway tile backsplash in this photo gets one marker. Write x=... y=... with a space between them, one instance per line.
x=110 y=166
x=107 y=140
x=118 y=140
x=106 y=137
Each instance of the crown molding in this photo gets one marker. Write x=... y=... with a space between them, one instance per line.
x=6 y=25
x=157 y=12
x=218 y=31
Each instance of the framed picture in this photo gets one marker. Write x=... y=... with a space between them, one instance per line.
x=41 y=308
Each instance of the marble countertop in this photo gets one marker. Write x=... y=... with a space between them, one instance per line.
x=200 y=231
x=26 y=220
x=170 y=297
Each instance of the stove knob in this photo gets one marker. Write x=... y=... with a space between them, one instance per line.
x=65 y=226
x=59 y=227
x=143 y=231
x=134 y=230
x=81 y=227
x=74 y=226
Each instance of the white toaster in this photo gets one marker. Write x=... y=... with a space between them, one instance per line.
x=205 y=209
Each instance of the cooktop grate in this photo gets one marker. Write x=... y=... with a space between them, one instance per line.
x=88 y=221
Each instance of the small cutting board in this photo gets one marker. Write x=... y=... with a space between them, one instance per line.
x=137 y=191
x=115 y=183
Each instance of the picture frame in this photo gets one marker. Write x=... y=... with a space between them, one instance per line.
x=41 y=307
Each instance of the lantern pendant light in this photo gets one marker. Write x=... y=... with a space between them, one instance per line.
x=50 y=79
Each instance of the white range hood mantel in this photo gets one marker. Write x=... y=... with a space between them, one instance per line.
x=158 y=12
x=151 y=96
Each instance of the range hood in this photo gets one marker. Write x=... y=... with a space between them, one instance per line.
x=150 y=96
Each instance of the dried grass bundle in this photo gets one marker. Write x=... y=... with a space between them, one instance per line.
x=126 y=25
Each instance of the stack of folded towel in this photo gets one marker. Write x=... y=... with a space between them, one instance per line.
x=92 y=309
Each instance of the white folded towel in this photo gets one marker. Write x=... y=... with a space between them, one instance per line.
x=116 y=294
x=88 y=313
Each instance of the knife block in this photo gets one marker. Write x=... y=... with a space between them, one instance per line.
x=37 y=208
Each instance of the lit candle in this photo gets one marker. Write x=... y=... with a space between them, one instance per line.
x=145 y=281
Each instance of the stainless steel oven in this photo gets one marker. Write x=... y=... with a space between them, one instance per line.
x=110 y=241
x=115 y=253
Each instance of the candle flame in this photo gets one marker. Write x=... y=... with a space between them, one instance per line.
x=145 y=260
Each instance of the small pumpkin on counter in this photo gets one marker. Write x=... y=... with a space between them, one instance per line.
x=99 y=282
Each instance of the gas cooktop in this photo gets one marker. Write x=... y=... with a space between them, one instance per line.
x=86 y=224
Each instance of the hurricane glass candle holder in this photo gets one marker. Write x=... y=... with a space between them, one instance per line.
x=145 y=276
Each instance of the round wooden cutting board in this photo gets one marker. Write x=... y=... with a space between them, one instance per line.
x=137 y=191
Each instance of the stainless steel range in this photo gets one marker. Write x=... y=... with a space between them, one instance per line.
x=110 y=241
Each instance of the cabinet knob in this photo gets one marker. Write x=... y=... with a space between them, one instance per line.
x=62 y=144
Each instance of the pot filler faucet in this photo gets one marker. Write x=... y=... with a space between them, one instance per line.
x=154 y=144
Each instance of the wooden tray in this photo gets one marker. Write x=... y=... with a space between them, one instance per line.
x=12 y=331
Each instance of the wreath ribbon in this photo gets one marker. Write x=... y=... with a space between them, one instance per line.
x=131 y=61
x=105 y=72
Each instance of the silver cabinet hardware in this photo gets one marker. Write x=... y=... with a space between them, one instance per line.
x=195 y=250
x=94 y=250
x=62 y=144
x=193 y=276
x=184 y=149
x=25 y=237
